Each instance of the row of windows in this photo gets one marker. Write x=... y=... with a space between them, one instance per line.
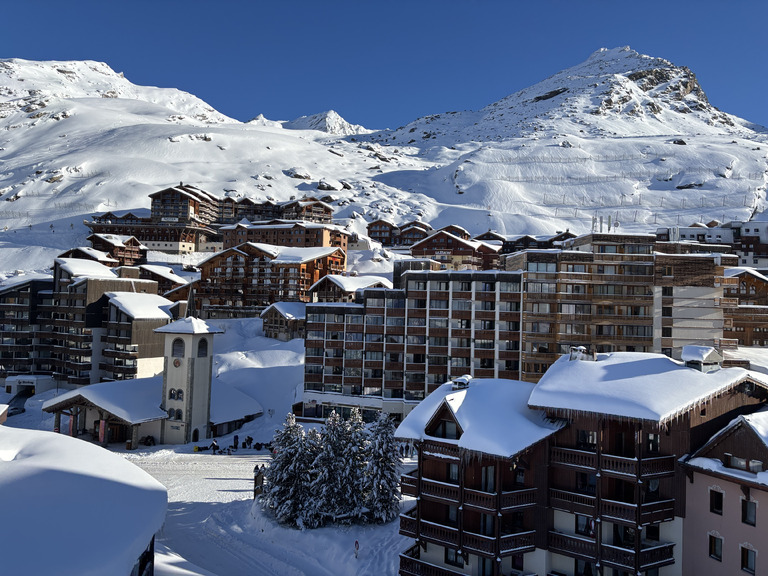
x=748 y=507
x=747 y=556
x=177 y=348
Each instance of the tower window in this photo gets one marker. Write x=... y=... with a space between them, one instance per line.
x=177 y=349
x=202 y=348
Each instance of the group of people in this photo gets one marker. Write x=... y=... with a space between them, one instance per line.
x=214 y=447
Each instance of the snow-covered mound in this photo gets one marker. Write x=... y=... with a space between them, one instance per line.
x=621 y=135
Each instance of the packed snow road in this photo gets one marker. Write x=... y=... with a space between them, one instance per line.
x=212 y=524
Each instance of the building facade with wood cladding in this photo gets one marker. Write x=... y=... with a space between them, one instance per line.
x=592 y=485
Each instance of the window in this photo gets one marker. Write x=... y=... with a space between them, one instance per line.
x=202 y=348
x=666 y=331
x=749 y=512
x=453 y=515
x=172 y=394
x=716 y=548
x=666 y=312
x=652 y=443
x=748 y=560
x=453 y=558
x=179 y=414
x=666 y=291
x=177 y=348
x=585 y=526
x=453 y=472
x=179 y=394
x=715 y=502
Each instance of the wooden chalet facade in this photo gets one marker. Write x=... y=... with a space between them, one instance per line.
x=127 y=250
x=242 y=281
x=285 y=233
x=603 y=494
x=455 y=253
x=284 y=321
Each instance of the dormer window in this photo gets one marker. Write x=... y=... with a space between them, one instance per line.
x=446 y=429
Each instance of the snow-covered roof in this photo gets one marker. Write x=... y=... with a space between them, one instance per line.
x=492 y=413
x=289 y=310
x=134 y=401
x=229 y=404
x=353 y=283
x=117 y=240
x=141 y=306
x=474 y=244
x=45 y=476
x=739 y=270
x=634 y=385
x=189 y=326
x=80 y=267
x=98 y=255
x=164 y=271
x=23 y=279
x=693 y=353
x=294 y=254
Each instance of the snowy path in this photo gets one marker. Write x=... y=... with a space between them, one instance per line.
x=210 y=524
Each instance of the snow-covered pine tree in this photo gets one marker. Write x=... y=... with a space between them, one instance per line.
x=311 y=516
x=325 y=487
x=353 y=467
x=287 y=476
x=382 y=484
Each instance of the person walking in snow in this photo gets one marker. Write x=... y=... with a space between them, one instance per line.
x=214 y=446
x=235 y=444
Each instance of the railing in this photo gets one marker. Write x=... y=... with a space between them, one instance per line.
x=478 y=499
x=408 y=524
x=478 y=543
x=409 y=485
x=518 y=498
x=518 y=543
x=654 y=556
x=617 y=556
x=440 y=490
x=444 y=535
x=411 y=565
x=620 y=465
x=573 y=545
x=572 y=502
x=658 y=466
x=442 y=449
x=575 y=458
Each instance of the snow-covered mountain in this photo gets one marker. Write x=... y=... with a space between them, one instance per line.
x=621 y=135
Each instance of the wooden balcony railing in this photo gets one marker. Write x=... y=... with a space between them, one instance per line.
x=575 y=546
x=439 y=533
x=478 y=499
x=574 y=458
x=441 y=450
x=518 y=543
x=650 y=512
x=412 y=565
x=441 y=490
x=518 y=498
x=408 y=523
x=650 y=557
x=478 y=543
x=409 y=485
x=572 y=502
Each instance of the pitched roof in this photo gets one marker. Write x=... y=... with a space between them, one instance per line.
x=634 y=385
x=189 y=326
x=353 y=283
x=288 y=310
x=492 y=413
x=141 y=306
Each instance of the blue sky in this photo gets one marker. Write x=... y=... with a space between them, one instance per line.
x=383 y=64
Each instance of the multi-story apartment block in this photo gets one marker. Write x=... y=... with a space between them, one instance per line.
x=21 y=349
x=246 y=279
x=343 y=288
x=130 y=347
x=390 y=348
x=285 y=233
x=612 y=292
x=577 y=476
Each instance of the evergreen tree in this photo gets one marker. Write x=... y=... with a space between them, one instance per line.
x=327 y=466
x=287 y=477
x=352 y=468
x=382 y=483
x=311 y=516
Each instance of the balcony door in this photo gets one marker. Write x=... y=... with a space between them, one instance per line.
x=488 y=479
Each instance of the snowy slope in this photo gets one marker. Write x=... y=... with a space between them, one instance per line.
x=603 y=138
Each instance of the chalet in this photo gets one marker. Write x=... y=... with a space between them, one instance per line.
x=455 y=253
x=284 y=320
x=165 y=277
x=456 y=230
x=591 y=483
x=285 y=233
x=412 y=232
x=246 y=279
x=92 y=254
x=342 y=288
x=383 y=231
x=127 y=250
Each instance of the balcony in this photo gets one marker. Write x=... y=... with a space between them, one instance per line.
x=650 y=512
x=409 y=484
x=616 y=466
x=650 y=556
x=572 y=502
x=440 y=490
x=573 y=546
x=411 y=565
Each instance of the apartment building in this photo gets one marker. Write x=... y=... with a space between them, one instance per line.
x=455 y=252
x=285 y=233
x=390 y=348
x=575 y=475
x=244 y=280
x=612 y=292
x=127 y=250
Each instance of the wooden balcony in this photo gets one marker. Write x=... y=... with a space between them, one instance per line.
x=518 y=543
x=478 y=544
x=411 y=565
x=408 y=524
x=572 y=502
x=650 y=512
x=572 y=458
x=616 y=466
x=440 y=490
x=650 y=557
x=441 y=450
x=514 y=499
x=573 y=546
x=409 y=485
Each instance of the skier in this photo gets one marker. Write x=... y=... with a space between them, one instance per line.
x=214 y=446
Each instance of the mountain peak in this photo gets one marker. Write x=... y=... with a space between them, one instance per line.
x=328 y=121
